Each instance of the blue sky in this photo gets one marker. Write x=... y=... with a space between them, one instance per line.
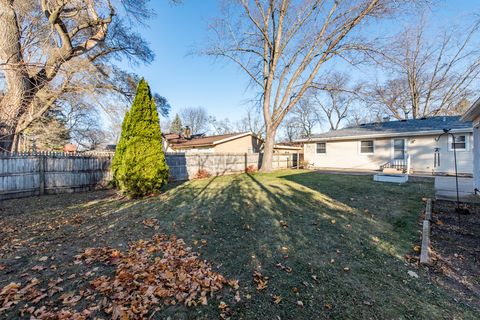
x=187 y=79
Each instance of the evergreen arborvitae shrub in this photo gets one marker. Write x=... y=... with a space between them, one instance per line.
x=142 y=168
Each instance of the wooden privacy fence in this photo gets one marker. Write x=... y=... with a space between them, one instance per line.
x=184 y=166
x=30 y=174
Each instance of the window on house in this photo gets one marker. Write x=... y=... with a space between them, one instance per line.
x=367 y=146
x=322 y=147
x=399 y=149
x=460 y=143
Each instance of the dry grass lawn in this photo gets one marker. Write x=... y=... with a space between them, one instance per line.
x=302 y=245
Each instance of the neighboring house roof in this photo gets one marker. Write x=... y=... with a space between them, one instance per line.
x=473 y=112
x=416 y=127
x=179 y=142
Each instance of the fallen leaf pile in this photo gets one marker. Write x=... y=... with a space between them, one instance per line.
x=150 y=273
x=152 y=270
x=14 y=293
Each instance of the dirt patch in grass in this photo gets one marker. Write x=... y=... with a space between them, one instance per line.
x=302 y=245
x=456 y=251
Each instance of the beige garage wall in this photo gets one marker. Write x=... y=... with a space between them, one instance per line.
x=346 y=155
x=240 y=145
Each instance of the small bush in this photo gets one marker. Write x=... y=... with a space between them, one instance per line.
x=202 y=174
x=251 y=169
x=304 y=164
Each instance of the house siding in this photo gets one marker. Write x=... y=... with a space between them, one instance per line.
x=346 y=155
x=247 y=144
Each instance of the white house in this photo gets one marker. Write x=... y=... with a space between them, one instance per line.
x=417 y=144
x=473 y=114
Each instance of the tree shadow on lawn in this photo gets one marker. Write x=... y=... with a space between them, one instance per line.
x=253 y=222
x=306 y=222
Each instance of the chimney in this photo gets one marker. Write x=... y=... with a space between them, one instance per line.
x=187 y=133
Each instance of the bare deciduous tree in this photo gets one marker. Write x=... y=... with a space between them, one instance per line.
x=251 y=122
x=282 y=44
x=429 y=75
x=390 y=97
x=196 y=118
x=83 y=123
x=221 y=126
x=290 y=129
x=302 y=120
x=42 y=41
x=336 y=99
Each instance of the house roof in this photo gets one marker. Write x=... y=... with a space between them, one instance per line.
x=178 y=142
x=415 y=127
x=473 y=112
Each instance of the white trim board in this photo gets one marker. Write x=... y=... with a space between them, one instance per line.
x=384 y=135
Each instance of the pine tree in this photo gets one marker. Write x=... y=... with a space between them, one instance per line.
x=142 y=168
x=176 y=125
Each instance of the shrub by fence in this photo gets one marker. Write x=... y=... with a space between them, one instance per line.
x=30 y=174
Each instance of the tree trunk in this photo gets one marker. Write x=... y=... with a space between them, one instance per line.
x=18 y=84
x=267 y=160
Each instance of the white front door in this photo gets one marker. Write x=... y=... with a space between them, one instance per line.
x=399 y=149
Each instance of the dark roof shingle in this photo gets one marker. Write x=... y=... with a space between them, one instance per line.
x=398 y=127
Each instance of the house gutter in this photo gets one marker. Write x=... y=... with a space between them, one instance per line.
x=279 y=146
x=384 y=135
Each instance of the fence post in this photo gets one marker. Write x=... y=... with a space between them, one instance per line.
x=41 y=173
x=246 y=161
